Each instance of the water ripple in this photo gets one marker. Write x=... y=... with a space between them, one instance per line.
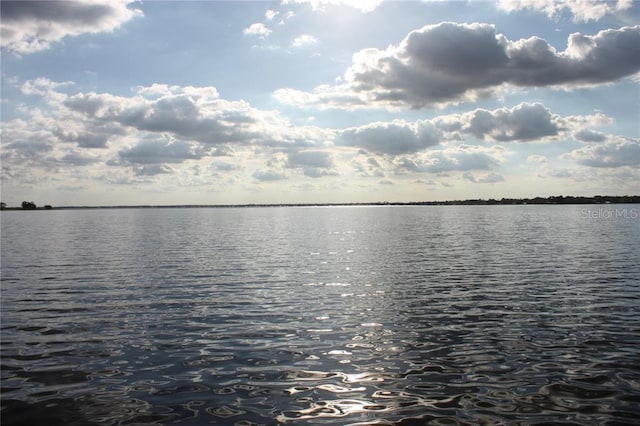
x=405 y=316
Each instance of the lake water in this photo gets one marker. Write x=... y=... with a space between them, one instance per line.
x=335 y=315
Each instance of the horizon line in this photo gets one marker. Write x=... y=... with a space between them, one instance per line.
x=549 y=200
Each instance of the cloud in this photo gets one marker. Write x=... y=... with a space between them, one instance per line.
x=537 y=159
x=257 y=29
x=317 y=172
x=319 y=159
x=157 y=125
x=489 y=178
x=25 y=142
x=152 y=170
x=270 y=14
x=588 y=135
x=324 y=96
x=24 y=150
x=224 y=166
x=304 y=40
x=580 y=9
x=450 y=63
x=459 y=158
x=162 y=129
x=161 y=151
x=616 y=152
x=269 y=175
x=369 y=167
x=361 y=5
x=313 y=163
x=396 y=137
x=592 y=120
x=560 y=173
x=84 y=140
x=43 y=87
x=189 y=113
x=524 y=122
x=87 y=134
x=77 y=159
x=31 y=26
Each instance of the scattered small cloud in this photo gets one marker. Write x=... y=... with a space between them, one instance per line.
x=257 y=29
x=290 y=14
x=270 y=14
x=303 y=40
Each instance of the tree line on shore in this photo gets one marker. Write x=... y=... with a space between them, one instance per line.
x=25 y=205
x=554 y=199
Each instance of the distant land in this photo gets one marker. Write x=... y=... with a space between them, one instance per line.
x=555 y=199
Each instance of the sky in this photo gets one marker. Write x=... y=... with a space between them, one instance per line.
x=317 y=101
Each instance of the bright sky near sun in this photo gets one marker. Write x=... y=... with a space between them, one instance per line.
x=216 y=102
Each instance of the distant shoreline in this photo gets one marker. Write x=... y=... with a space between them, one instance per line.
x=552 y=200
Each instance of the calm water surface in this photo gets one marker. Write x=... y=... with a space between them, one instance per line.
x=340 y=315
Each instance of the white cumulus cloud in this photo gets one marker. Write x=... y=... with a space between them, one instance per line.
x=615 y=152
x=395 y=137
x=257 y=29
x=31 y=26
x=450 y=63
x=524 y=122
x=303 y=40
x=581 y=10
